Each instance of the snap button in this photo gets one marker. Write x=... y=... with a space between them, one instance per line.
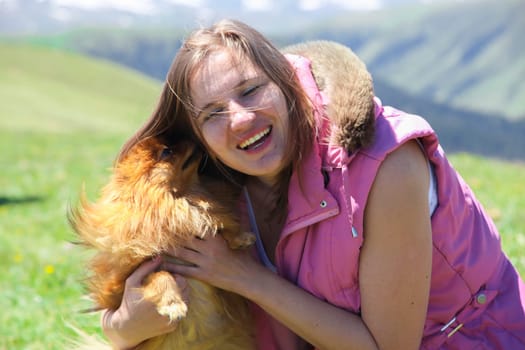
x=481 y=298
x=323 y=204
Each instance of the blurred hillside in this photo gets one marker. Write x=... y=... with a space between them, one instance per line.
x=45 y=90
x=461 y=64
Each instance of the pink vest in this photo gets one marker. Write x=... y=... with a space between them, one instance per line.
x=477 y=299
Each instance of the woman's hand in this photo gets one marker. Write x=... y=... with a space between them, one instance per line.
x=212 y=261
x=137 y=319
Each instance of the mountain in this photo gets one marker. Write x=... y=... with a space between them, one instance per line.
x=460 y=130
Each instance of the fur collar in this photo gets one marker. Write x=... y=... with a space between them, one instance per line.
x=343 y=77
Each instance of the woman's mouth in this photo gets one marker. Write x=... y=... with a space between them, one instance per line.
x=256 y=140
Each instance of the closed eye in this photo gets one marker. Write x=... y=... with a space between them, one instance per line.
x=250 y=90
x=214 y=113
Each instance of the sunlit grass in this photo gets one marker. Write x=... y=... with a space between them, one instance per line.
x=499 y=186
x=63 y=118
x=41 y=275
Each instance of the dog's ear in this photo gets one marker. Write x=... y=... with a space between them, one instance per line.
x=341 y=75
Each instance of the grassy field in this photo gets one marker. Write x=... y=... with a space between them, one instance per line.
x=62 y=121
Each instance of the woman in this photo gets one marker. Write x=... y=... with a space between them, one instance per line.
x=382 y=247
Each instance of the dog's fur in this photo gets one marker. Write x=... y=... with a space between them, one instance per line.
x=155 y=201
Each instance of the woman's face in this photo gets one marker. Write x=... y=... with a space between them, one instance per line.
x=242 y=115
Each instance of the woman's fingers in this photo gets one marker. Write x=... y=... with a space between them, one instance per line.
x=195 y=250
x=138 y=319
x=211 y=261
x=144 y=269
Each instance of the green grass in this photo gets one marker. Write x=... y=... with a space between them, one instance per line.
x=62 y=120
x=500 y=188
x=41 y=273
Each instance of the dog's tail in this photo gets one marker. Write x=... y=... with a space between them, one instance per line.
x=85 y=341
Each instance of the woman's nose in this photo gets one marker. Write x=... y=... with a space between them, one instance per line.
x=240 y=116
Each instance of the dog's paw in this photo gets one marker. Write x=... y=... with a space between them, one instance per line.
x=175 y=310
x=161 y=289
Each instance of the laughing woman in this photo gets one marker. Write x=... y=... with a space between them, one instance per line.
x=375 y=243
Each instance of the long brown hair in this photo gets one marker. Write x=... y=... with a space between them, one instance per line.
x=174 y=115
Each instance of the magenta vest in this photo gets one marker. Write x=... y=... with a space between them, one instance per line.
x=477 y=299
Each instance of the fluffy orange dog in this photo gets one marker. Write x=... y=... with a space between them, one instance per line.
x=154 y=201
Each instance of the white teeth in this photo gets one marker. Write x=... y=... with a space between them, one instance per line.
x=254 y=139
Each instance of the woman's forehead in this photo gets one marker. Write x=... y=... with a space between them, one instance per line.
x=220 y=73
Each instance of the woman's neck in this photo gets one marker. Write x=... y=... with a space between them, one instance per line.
x=264 y=201
x=260 y=191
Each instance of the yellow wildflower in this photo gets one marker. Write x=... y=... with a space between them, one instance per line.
x=18 y=258
x=49 y=269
